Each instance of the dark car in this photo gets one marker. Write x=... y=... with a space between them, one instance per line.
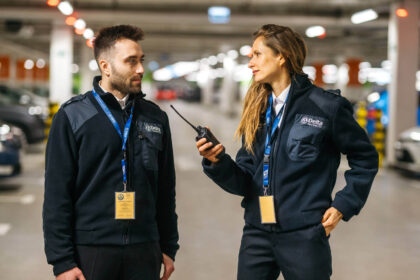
x=25 y=97
x=10 y=145
x=26 y=117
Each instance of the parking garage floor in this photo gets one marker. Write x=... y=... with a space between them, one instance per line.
x=383 y=242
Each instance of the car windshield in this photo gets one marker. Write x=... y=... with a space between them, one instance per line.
x=6 y=100
x=13 y=96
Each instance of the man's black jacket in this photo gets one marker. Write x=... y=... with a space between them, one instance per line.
x=83 y=172
x=317 y=126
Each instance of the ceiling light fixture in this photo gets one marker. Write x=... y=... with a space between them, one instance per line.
x=65 y=8
x=315 y=31
x=364 y=16
x=401 y=12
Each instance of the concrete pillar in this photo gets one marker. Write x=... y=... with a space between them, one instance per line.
x=354 y=90
x=229 y=89
x=12 y=80
x=86 y=74
x=61 y=59
x=403 y=48
x=206 y=83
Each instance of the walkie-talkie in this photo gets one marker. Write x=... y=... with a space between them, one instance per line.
x=203 y=132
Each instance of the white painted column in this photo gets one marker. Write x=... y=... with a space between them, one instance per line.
x=86 y=74
x=403 y=48
x=229 y=89
x=206 y=83
x=61 y=59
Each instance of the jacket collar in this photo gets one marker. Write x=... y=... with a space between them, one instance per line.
x=300 y=84
x=109 y=97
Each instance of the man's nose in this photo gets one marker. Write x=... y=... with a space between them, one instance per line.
x=140 y=69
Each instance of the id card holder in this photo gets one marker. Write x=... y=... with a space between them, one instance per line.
x=125 y=205
x=268 y=214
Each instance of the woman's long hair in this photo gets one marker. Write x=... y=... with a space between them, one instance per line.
x=282 y=40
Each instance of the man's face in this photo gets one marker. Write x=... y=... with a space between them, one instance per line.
x=126 y=66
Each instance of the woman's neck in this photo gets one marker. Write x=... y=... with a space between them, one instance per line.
x=281 y=83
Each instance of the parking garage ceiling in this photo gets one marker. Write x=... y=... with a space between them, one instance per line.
x=180 y=30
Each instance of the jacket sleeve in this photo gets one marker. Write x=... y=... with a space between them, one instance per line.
x=167 y=218
x=233 y=177
x=362 y=157
x=60 y=173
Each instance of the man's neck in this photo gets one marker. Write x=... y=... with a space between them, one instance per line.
x=106 y=85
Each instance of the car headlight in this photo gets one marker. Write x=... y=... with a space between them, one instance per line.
x=35 y=110
x=415 y=136
x=5 y=132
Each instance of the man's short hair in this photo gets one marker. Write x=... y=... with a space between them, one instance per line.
x=108 y=36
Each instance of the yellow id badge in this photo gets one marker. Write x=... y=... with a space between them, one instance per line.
x=268 y=215
x=124 y=205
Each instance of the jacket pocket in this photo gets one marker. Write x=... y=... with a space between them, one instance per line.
x=305 y=137
x=149 y=139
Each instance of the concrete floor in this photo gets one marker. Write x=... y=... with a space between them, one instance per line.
x=383 y=242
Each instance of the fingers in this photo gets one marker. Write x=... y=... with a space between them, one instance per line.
x=211 y=154
x=167 y=272
x=203 y=148
x=80 y=275
x=168 y=266
x=200 y=142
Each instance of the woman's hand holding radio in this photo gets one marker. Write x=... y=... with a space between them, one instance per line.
x=208 y=150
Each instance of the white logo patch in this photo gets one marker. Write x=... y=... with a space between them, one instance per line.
x=312 y=122
x=152 y=128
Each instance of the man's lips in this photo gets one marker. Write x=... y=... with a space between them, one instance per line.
x=255 y=71
x=136 y=80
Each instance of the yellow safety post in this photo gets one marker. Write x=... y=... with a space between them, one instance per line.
x=378 y=137
x=53 y=108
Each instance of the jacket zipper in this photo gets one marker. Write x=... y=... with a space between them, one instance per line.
x=280 y=130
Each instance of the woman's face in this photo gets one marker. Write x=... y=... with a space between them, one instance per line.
x=266 y=66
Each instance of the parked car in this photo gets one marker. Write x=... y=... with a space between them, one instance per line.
x=26 y=117
x=165 y=94
x=10 y=145
x=27 y=98
x=407 y=150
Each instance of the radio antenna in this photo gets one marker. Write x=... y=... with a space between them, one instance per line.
x=185 y=119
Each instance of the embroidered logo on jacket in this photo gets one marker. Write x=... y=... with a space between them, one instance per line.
x=311 y=122
x=152 y=128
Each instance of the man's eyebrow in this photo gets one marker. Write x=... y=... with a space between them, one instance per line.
x=133 y=56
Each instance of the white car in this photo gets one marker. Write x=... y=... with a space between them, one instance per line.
x=407 y=150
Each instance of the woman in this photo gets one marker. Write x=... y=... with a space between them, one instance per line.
x=292 y=135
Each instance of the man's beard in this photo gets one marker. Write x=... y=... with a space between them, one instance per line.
x=118 y=83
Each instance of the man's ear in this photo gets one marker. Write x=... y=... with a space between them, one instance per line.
x=105 y=66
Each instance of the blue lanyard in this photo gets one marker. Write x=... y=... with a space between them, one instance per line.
x=124 y=137
x=270 y=134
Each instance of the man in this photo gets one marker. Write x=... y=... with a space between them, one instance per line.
x=109 y=208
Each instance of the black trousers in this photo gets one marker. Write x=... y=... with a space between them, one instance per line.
x=299 y=255
x=131 y=262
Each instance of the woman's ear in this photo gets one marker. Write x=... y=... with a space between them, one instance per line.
x=281 y=60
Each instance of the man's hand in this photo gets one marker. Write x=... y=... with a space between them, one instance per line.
x=207 y=151
x=72 y=274
x=168 y=267
x=330 y=219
